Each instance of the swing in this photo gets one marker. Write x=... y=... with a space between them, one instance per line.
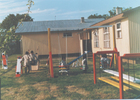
x=63 y=68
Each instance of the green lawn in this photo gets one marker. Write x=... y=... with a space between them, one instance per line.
x=38 y=85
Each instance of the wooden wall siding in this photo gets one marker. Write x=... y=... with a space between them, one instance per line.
x=123 y=44
x=134 y=30
x=85 y=36
x=101 y=41
x=40 y=42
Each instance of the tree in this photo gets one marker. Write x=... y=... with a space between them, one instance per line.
x=12 y=20
x=95 y=16
x=111 y=13
x=9 y=42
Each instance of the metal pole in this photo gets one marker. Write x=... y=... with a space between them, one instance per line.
x=120 y=77
x=133 y=70
x=50 y=54
x=94 y=68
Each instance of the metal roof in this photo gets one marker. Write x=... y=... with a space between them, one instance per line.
x=94 y=27
x=56 y=25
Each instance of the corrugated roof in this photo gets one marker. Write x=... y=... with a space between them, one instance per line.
x=95 y=27
x=117 y=17
x=56 y=25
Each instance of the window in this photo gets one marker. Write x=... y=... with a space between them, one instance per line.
x=67 y=34
x=118 y=29
x=106 y=37
x=96 y=38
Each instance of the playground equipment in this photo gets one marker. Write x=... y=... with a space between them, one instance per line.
x=4 y=61
x=63 y=69
x=94 y=60
x=50 y=54
x=35 y=67
x=18 y=68
x=119 y=76
x=126 y=56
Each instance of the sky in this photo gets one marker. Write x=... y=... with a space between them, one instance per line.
x=44 y=10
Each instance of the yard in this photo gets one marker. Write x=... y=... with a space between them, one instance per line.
x=37 y=85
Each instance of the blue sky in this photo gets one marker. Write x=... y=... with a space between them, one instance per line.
x=62 y=9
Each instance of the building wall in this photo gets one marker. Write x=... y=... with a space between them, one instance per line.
x=134 y=29
x=39 y=43
x=101 y=41
x=122 y=44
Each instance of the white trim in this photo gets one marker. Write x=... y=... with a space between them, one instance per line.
x=96 y=38
x=117 y=30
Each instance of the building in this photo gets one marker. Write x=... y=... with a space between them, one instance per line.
x=64 y=37
x=126 y=30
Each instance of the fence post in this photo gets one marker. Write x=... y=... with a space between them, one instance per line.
x=94 y=68
x=120 y=77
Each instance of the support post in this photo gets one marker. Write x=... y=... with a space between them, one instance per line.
x=50 y=54
x=94 y=68
x=120 y=77
x=114 y=56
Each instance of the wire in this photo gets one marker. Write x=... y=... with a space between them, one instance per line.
x=66 y=48
x=59 y=47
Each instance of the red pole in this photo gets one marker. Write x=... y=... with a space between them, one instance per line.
x=51 y=65
x=50 y=54
x=112 y=58
x=94 y=68
x=120 y=77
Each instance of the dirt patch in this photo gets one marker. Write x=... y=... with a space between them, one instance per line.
x=19 y=80
x=9 y=91
x=40 y=83
x=102 y=95
x=41 y=86
x=77 y=90
x=53 y=88
x=24 y=88
x=41 y=96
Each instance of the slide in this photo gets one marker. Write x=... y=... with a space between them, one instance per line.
x=77 y=58
x=18 y=69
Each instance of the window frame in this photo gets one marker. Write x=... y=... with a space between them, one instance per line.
x=96 y=38
x=118 y=35
x=67 y=33
x=106 y=42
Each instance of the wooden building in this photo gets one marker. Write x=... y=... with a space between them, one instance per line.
x=64 y=37
x=127 y=32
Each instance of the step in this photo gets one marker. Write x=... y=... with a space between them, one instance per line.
x=62 y=68
x=127 y=82
x=113 y=83
x=115 y=73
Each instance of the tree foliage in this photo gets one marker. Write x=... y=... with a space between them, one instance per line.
x=12 y=20
x=111 y=13
x=9 y=42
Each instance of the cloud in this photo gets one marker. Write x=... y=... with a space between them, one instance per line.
x=77 y=12
x=11 y=4
x=41 y=11
x=12 y=7
x=13 y=10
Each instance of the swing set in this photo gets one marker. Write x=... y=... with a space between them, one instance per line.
x=65 y=69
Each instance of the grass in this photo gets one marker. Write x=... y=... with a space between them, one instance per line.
x=37 y=85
